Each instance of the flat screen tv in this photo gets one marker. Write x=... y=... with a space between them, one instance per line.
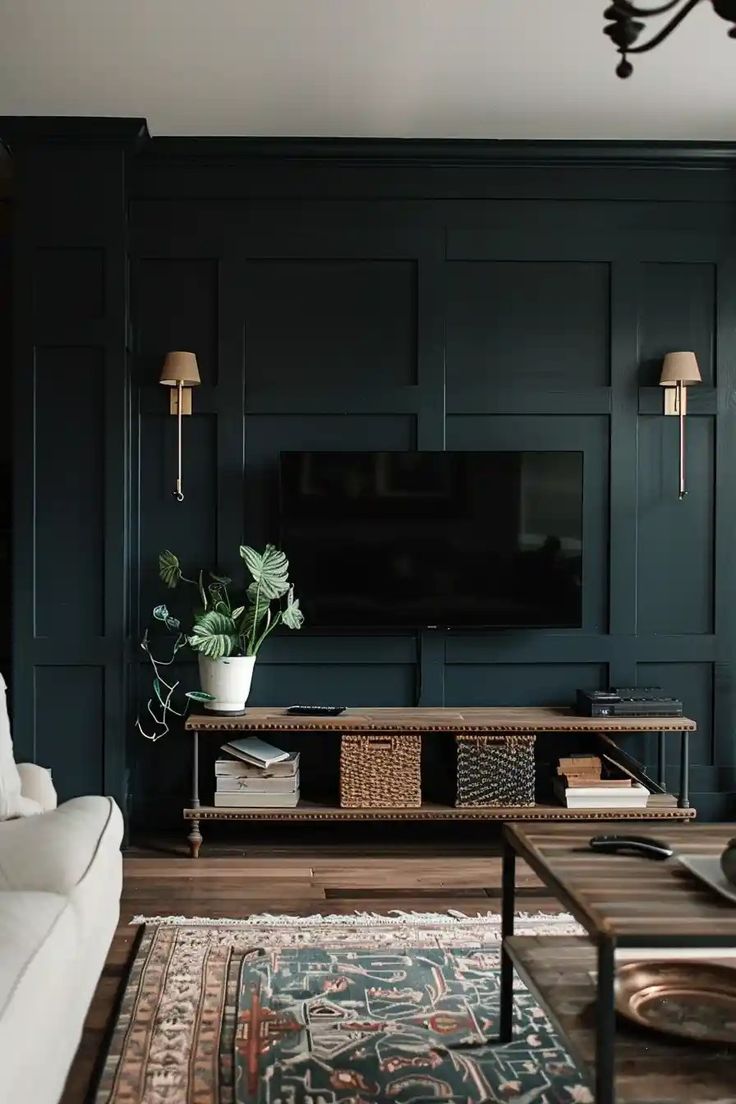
x=434 y=539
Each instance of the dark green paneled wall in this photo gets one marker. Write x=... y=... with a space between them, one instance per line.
x=388 y=295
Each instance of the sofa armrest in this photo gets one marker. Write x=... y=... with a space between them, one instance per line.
x=54 y=852
x=36 y=784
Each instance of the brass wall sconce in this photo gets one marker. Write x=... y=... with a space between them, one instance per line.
x=181 y=374
x=679 y=371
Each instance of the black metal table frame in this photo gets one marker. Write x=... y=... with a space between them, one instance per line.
x=683 y=801
x=605 y=1012
x=605 y=1090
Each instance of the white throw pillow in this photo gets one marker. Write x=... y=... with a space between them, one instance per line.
x=12 y=802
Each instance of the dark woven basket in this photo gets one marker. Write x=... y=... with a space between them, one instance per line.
x=495 y=769
x=380 y=770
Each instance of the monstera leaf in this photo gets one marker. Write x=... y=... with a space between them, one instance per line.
x=214 y=635
x=169 y=568
x=291 y=615
x=270 y=570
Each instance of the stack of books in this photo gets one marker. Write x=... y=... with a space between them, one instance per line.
x=580 y=784
x=256 y=775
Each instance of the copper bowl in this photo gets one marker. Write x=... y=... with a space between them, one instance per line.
x=690 y=1000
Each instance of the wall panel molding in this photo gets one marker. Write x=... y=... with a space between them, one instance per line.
x=71 y=453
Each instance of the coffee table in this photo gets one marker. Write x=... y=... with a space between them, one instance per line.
x=621 y=902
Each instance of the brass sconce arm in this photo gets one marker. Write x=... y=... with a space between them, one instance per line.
x=180 y=373
x=679 y=371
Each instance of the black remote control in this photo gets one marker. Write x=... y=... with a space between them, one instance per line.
x=316 y=710
x=632 y=845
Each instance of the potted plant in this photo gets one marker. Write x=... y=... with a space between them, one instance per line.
x=226 y=634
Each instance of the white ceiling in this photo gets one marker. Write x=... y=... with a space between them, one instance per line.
x=404 y=68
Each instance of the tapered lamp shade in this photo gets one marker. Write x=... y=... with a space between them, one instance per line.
x=179 y=368
x=679 y=368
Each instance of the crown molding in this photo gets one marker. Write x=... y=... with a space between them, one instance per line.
x=451 y=151
x=19 y=131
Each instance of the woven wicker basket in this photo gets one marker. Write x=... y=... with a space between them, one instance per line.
x=495 y=769
x=380 y=770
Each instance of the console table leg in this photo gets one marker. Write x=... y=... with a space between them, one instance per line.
x=195 y=839
x=508 y=904
x=605 y=1058
x=684 y=799
x=195 y=836
x=662 y=767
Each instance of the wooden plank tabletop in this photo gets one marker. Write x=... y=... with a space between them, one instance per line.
x=551 y=718
x=561 y=971
x=638 y=901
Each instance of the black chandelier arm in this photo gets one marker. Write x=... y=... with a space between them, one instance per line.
x=645 y=13
x=667 y=29
x=625 y=22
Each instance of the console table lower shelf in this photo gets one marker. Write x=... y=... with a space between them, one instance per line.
x=428 y=811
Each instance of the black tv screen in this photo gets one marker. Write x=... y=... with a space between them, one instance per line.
x=434 y=539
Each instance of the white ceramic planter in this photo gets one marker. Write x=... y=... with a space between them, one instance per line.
x=228 y=680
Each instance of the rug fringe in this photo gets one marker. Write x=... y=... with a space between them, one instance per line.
x=450 y=918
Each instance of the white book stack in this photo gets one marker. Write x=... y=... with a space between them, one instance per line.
x=257 y=776
x=634 y=796
x=580 y=784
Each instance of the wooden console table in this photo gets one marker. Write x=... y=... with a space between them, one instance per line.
x=546 y=720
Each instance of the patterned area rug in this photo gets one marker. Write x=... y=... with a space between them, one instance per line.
x=331 y=1010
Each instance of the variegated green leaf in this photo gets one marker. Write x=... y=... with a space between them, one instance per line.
x=223 y=580
x=270 y=570
x=161 y=613
x=169 y=568
x=157 y=689
x=291 y=615
x=255 y=611
x=214 y=635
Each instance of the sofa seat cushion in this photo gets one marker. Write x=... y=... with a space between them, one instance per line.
x=54 y=851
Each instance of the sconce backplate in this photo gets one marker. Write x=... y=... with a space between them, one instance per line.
x=671 y=405
x=186 y=400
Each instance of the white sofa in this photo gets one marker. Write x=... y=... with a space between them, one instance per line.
x=60 y=883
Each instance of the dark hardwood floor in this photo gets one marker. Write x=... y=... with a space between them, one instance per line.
x=300 y=875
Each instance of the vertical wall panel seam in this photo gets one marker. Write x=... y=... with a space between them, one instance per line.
x=623 y=505
x=431 y=419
